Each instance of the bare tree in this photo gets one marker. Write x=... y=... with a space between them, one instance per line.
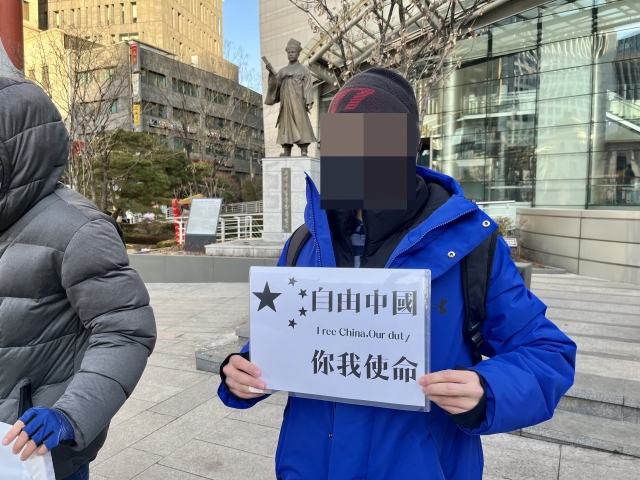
x=212 y=117
x=85 y=79
x=247 y=76
x=416 y=37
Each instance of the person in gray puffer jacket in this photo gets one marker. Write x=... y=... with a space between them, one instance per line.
x=76 y=328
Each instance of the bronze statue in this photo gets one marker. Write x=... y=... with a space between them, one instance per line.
x=292 y=86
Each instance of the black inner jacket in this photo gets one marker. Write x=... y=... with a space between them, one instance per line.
x=384 y=229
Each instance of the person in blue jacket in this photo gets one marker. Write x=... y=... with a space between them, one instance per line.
x=530 y=364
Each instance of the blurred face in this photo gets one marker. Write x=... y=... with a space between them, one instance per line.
x=292 y=54
x=368 y=161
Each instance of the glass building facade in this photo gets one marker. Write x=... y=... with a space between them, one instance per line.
x=544 y=109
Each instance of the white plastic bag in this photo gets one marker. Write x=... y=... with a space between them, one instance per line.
x=35 y=468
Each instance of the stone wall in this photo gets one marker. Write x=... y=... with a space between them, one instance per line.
x=595 y=243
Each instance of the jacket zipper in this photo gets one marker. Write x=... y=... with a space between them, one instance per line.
x=313 y=225
x=333 y=424
x=388 y=265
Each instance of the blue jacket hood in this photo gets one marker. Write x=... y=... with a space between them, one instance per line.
x=461 y=235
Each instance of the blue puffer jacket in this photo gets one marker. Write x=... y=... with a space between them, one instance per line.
x=532 y=364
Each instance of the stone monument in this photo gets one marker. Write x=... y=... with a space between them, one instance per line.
x=284 y=185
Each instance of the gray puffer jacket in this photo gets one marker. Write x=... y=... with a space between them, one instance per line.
x=76 y=327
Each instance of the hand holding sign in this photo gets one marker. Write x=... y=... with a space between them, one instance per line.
x=242 y=378
x=455 y=391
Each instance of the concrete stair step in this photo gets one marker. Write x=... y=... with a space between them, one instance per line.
x=209 y=359
x=242 y=332
x=587 y=431
x=605 y=397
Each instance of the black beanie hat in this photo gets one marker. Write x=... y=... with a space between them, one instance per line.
x=377 y=90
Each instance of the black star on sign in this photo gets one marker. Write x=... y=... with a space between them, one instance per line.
x=267 y=298
x=292 y=323
x=292 y=281
x=303 y=293
x=303 y=312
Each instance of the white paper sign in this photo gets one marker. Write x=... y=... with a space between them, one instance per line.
x=203 y=216
x=352 y=335
x=35 y=468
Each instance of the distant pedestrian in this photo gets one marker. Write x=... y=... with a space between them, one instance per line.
x=76 y=327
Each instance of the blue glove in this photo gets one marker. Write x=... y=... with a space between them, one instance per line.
x=47 y=426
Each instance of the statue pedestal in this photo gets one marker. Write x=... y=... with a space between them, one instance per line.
x=284 y=194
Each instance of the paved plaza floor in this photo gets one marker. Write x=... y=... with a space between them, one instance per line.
x=175 y=428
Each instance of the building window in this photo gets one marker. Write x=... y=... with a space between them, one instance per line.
x=178 y=144
x=79 y=17
x=108 y=15
x=134 y=12
x=113 y=39
x=181 y=144
x=25 y=11
x=215 y=123
x=180 y=22
x=152 y=78
x=113 y=108
x=85 y=78
x=99 y=17
x=223 y=151
x=73 y=17
x=122 y=13
x=56 y=19
x=185 y=88
x=216 y=97
x=128 y=36
x=219 y=26
x=240 y=153
x=154 y=109
x=186 y=117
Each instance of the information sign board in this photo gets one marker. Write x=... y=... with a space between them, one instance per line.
x=202 y=226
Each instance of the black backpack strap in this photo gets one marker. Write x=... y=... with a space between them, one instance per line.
x=298 y=239
x=476 y=277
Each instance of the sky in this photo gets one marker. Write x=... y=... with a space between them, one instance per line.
x=242 y=28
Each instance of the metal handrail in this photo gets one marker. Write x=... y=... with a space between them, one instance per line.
x=242 y=226
x=495 y=202
x=244 y=207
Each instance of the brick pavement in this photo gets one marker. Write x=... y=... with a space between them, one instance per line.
x=175 y=428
